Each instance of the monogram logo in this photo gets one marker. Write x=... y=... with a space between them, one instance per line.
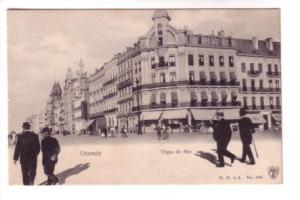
x=273 y=171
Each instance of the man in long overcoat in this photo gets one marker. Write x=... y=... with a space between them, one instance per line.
x=222 y=135
x=27 y=149
x=246 y=130
x=50 y=150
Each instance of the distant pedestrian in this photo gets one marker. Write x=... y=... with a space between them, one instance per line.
x=222 y=135
x=165 y=133
x=124 y=132
x=246 y=130
x=50 y=150
x=27 y=149
x=104 y=130
x=158 y=131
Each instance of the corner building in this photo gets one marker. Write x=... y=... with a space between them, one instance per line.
x=180 y=77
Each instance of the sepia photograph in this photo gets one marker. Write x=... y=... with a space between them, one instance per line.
x=144 y=96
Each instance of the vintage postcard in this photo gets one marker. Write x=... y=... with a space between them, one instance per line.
x=125 y=96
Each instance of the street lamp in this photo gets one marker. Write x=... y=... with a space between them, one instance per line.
x=139 y=109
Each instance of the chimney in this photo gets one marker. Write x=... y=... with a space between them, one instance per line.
x=269 y=44
x=255 y=43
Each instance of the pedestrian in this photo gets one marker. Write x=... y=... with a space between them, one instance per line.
x=50 y=150
x=124 y=132
x=222 y=135
x=246 y=130
x=158 y=131
x=27 y=149
x=105 y=132
x=165 y=133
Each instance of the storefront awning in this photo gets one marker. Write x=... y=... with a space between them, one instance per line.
x=256 y=118
x=154 y=115
x=202 y=114
x=90 y=122
x=174 y=114
x=209 y=114
x=276 y=117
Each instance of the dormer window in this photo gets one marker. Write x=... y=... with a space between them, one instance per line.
x=159 y=29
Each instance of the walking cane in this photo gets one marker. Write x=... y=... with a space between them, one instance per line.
x=255 y=147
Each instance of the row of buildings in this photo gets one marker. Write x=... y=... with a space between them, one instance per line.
x=176 y=76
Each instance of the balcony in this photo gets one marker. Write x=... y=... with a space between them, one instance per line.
x=110 y=95
x=124 y=84
x=253 y=73
x=203 y=104
x=109 y=81
x=273 y=74
x=262 y=107
x=260 y=90
x=187 y=82
x=110 y=110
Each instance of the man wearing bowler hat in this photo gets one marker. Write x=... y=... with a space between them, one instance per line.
x=246 y=130
x=27 y=149
x=50 y=150
x=222 y=135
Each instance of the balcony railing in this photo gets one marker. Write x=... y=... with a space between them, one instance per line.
x=273 y=74
x=253 y=73
x=191 y=82
x=110 y=110
x=203 y=104
x=124 y=84
x=260 y=90
x=110 y=95
x=262 y=107
x=109 y=81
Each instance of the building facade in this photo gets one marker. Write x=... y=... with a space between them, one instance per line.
x=75 y=97
x=53 y=112
x=182 y=78
x=103 y=97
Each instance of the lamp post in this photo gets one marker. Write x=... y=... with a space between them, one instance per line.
x=139 y=109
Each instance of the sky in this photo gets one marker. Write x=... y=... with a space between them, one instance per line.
x=43 y=44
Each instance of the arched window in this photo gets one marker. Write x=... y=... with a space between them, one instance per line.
x=159 y=29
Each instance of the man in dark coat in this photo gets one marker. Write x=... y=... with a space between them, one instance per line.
x=158 y=131
x=50 y=150
x=222 y=135
x=27 y=149
x=246 y=129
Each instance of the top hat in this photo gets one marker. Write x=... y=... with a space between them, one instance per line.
x=26 y=125
x=46 y=131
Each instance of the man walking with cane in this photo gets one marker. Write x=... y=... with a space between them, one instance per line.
x=246 y=130
x=27 y=149
x=222 y=135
